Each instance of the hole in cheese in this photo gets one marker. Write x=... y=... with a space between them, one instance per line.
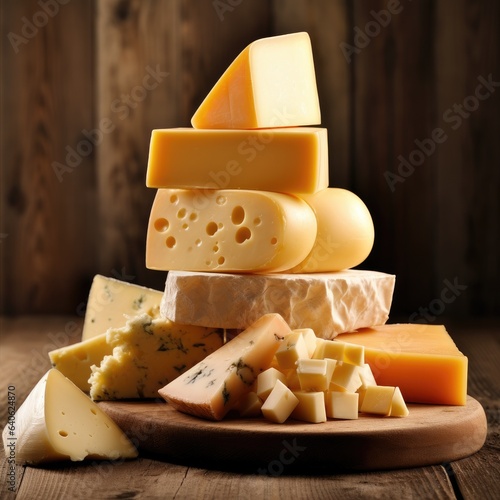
x=170 y=242
x=212 y=228
x=193 y=216
x=185 y=226
x=198 y=242
x=161 y=224
x=221 y=200
x=238 y=215
x=221 y=261
x=257 y=221
x=274 y=241
x=181 y=213
x=215 y=249
x=92 y=410
x=174 y=199
x=243 y=234
x=63 y=434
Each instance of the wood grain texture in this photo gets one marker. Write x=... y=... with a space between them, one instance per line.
x=46 y=102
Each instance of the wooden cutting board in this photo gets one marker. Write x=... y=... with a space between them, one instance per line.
x=429 y=435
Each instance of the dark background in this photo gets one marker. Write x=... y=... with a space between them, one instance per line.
x=400 y=91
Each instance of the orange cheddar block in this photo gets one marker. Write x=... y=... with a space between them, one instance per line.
x=422 y=360
x=272 y=83
x=293 y=160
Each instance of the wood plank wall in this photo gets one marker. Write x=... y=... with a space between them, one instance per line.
x=84 y=82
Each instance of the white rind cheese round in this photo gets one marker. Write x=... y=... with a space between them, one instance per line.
x=329 y=303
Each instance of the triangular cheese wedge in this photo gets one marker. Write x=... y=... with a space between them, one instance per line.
x=271 y=83
x=57 y=421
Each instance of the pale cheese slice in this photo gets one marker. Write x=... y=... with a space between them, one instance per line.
x=58 y=422
x=110 y=300
x=147 y=354
x=214 y=386
x=328 y=303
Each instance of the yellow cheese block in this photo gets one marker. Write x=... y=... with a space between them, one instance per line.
x=111 y=299
x=58 y=422
x=75 y=361
x=242 y=231
x=345 y=232
x=213 y=387
x=291 y=160
x=271 y=83
x=147 y=354
x=422 y=360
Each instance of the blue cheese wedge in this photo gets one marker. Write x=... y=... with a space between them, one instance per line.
x=213 y=387
x=111 y=301
x=148 y=353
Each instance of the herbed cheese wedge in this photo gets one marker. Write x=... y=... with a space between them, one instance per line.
x=58 y=422
x=147 y=354
x=111 y=299
x=213 y=387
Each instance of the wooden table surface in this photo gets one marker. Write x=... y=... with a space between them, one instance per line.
x=25 y=342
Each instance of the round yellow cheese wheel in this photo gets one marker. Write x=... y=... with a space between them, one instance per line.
x=345 y=232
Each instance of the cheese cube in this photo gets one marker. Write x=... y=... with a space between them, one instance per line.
x=345 y=232
x=214 y=386
x=332 y=350
x=111 y=300
x=75 y=361
x=342 y=405
x=378 y=400
x=147 y=354
x=311 y=407
x=422 y=360
x=328 y=303
x=314 y=374
x=233 y=231
x=291 y=160
x=309 y=338
x=58 y=422
x=271 y=83
x=398 y=406
x=366 y=376
x=267 y=380
x=293 y=348
x=354 y=354
x=250 y=405
x=279 y=404
x=345 y=378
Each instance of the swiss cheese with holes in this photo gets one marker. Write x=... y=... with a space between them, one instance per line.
x=228 y=231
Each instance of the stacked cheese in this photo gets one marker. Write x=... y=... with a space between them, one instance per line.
x=244 y=221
